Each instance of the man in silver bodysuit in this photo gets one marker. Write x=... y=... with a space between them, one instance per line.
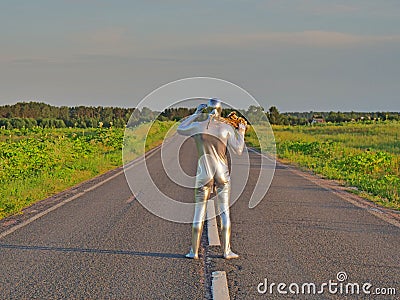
x=212 y=138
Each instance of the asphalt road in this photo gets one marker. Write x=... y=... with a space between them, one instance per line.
x=105 y=245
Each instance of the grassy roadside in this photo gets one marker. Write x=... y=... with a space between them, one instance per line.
x=38 y=163
x=364 y=156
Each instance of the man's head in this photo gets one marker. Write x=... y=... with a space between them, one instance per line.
x=216 y=106
x=214 y=103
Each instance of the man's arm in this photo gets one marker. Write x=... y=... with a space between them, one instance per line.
x=236 y=139
x=187 y=126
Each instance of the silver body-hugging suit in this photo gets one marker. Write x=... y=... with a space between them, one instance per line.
x=212 y=138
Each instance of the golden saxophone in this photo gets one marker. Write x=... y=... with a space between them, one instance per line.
x=233 y=120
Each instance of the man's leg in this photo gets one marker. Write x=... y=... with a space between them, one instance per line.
x=201 y=196
x=223 y=194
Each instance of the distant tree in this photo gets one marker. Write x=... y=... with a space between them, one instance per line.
x=274 y=116
x=17 y=122
x=119 y=122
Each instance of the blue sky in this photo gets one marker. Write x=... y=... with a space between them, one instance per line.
x=298 y=55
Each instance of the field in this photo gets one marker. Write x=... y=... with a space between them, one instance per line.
x=36 y=163
x=363 y=156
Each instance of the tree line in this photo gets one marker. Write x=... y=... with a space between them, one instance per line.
x=31 y=114
x=305 y=118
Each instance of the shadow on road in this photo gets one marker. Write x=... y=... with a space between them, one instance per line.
x=88 y=250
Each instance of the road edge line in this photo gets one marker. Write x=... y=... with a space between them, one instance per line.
x=39 y=215
x=368 y=206
x=76 y=196
x=374 y=209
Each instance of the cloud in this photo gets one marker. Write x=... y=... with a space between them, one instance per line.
x=338 y=8
x=312 y=38
x=314 y=7
x=117 y=43
x=331 y=8
x=33 y=60
x=327 y=8
x=104 y=41
x=345 y=8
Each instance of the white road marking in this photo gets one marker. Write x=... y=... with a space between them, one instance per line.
x=103 y=182
x=39 y=215
x=213 y=236
x=270 y=157
x=219 y=286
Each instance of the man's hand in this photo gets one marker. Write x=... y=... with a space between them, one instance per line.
x=242 y=128
x=200 y=108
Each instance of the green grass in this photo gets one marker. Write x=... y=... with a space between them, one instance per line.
x=37 y=163
x=366 y=156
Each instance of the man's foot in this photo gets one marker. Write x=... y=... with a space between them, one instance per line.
x=230 y=255
x=191 y=255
